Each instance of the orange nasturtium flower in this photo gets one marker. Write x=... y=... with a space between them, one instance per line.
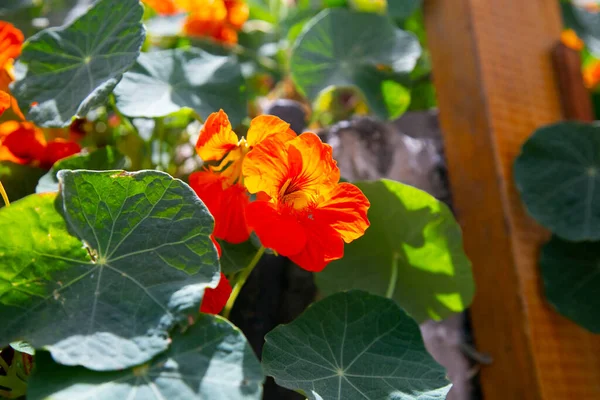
x=4 y=101
x=24 y=143
x=11 y=42
x=301 y=210
x=220 y=183
x=569 y=38
x=218 y=19
x=591 y=74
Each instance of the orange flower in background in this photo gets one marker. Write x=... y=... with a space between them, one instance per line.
x=569 y=38
x=301 y=210
x=11 y=42
x=4 y=101
x=217 y=19
x=220 y=184
x=591 y=74
x=24 y=143
x=215 y=299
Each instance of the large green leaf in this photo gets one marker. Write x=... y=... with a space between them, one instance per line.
x=365 y=57
x=571 y=280
x=412 y=252
x=104 y=158
x=69 y=70
x=558 y=175
x=163 y=82
x=212 y=360
x=99 y=275
x=354 y=346
x=236 y=257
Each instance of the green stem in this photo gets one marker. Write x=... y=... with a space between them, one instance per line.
x=4 y=195
x=240 y=280
x=393 y=279
x=159 y=131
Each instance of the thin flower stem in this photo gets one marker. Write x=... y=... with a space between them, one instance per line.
x=4 y=195
x=393 y=279
x=241 y=280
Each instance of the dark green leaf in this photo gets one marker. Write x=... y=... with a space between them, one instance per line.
x=327 y=54
x=571 y=280
x=100 y=160
x=163 y=82
x=102 y=285
x=354 y=346
x=19 y=180
x=212 y=360
x=402 y=9
x=558 y=175
x=412 y=251
x=70 y=70
x=236 y=257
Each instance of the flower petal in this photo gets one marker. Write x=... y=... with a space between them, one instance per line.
x=217 y=245
x=237 y=12
x=162 y=7
x=216 y=137
x=11 y=41
x=265 y=167
x=58 y=149
x=4 y=101
x=265 y=126
x=277 y=229
x=23 y=140
x=323 y=245
x=214 y=300
x=345 y=210
x=227 y=204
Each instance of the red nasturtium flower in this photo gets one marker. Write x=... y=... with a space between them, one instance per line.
x=24 y=143
x=301 y=210
x=215 y=299
x=4 y=101
x=220 y=185
x=218 y=19
x=591 y=74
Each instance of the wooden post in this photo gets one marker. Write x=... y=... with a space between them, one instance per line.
x=492 y=67
x=575 y=98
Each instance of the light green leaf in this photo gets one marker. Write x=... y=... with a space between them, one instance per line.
x=327 y=54
x=571 y=280
x=558 y=175
x=103 y=272
x=71 y=69
x=212 y=360
x=412 y=252
x=23 y=347
x=354 y=346
x=163 y=82
x=104 y=158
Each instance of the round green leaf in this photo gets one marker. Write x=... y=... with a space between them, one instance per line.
x=236 y=257
x=19 y=180
x=403 y=9
x=571 y=275
x=412 y=252
x=327 y=54
x=212 y=360
x=71 y=69
x=104 y=158
x=558 y=175
x=161 y=83
x=354 y=346
x=103 y=272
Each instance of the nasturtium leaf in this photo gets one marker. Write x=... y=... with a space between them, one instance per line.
x=211 y=360
x=100 y=274
x=236 y=257
x=163 y=82
x=571 y=276
x=327 y=54
x=102 y=159
x=354 y=346
x=412 y=252
x=558 y=175
x=19 y=180
x=402 y=9
x=69 y=70
x=23 y=347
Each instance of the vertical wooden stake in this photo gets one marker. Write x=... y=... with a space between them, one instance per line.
x=492 y=67
x=575 y=97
